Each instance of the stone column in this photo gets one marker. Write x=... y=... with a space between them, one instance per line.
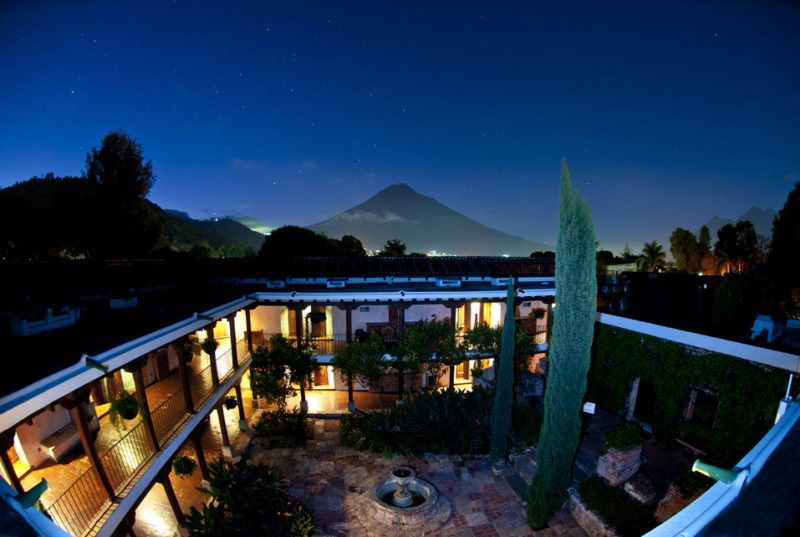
x=80 y=416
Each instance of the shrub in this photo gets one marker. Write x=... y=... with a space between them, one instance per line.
x=249 y=500
x=624 y=435
x=445 y=421
x=527 y=423
x=283 y=427
x=619 y=510
x=448 y=421
x=376 y=432
x=690 y=483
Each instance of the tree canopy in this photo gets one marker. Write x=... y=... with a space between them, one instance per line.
x=784 y=255
x=393 y=248
x=121 y=179
x=682 y=245
x=103 y=214
x=653 y=257
x=295 y=241
x=736 y=248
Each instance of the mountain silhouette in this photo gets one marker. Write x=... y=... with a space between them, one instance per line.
x=423 y=224
x=761 y=219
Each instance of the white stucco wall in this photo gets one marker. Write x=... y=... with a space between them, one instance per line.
x=266 y=318
x=28 y=438
x=524 y=311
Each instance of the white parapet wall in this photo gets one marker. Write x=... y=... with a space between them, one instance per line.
x=761 y=355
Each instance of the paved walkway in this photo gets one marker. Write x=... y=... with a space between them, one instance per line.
x=336 y=481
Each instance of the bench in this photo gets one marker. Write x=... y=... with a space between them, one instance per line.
x=64 y=440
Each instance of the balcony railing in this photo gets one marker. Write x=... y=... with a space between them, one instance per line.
x=168 y=415
x=201 y=386
x=123 y=458
x=76 y=508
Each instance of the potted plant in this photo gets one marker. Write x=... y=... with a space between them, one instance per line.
x=125 y=405
x=621 y=457
x=190 y=347
x=314 y=317
x=209 y=345
x=624 y=436
x=231 y=402
x=184 y=466
x=536 y=313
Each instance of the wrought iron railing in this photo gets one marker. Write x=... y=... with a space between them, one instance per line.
x=326 y=345
x=168 y=415
x=75 y=509
x=123 y=458
x=201 y=386
x=241 y=349
x=540 y=338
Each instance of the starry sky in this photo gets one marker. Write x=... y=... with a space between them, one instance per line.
x=667 y=112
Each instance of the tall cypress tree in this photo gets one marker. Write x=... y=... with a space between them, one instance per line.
x=501 y=410
x=570 y=345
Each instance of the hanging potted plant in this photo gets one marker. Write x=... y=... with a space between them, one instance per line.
x=231 y=402
x=184 y=466
x=190 y=347
x=314 y=317
x=536 y=313
x=209 y=345
x=125 y=405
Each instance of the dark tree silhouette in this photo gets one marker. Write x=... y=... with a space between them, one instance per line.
x=784 y=255
x=121 y=179
x=736 y=247
x=294 y=241
x=682 y=245
x=394 y=248
x=653 y=257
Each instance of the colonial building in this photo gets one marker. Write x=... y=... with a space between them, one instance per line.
x=44 y=423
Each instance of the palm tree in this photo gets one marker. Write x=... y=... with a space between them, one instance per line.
x=653 y=257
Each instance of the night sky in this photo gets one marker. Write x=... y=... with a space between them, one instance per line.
x=668 y=113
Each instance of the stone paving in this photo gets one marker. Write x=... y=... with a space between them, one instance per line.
x=335 y=482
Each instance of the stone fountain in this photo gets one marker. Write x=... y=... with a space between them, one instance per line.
x=403 y=502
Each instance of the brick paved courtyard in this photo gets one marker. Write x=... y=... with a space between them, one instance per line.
x=334 y=481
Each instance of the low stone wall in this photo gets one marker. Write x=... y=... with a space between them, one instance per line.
x=588 y=520
x=672 y=502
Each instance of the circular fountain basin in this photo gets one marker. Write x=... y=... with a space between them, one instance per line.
x=422 y=508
